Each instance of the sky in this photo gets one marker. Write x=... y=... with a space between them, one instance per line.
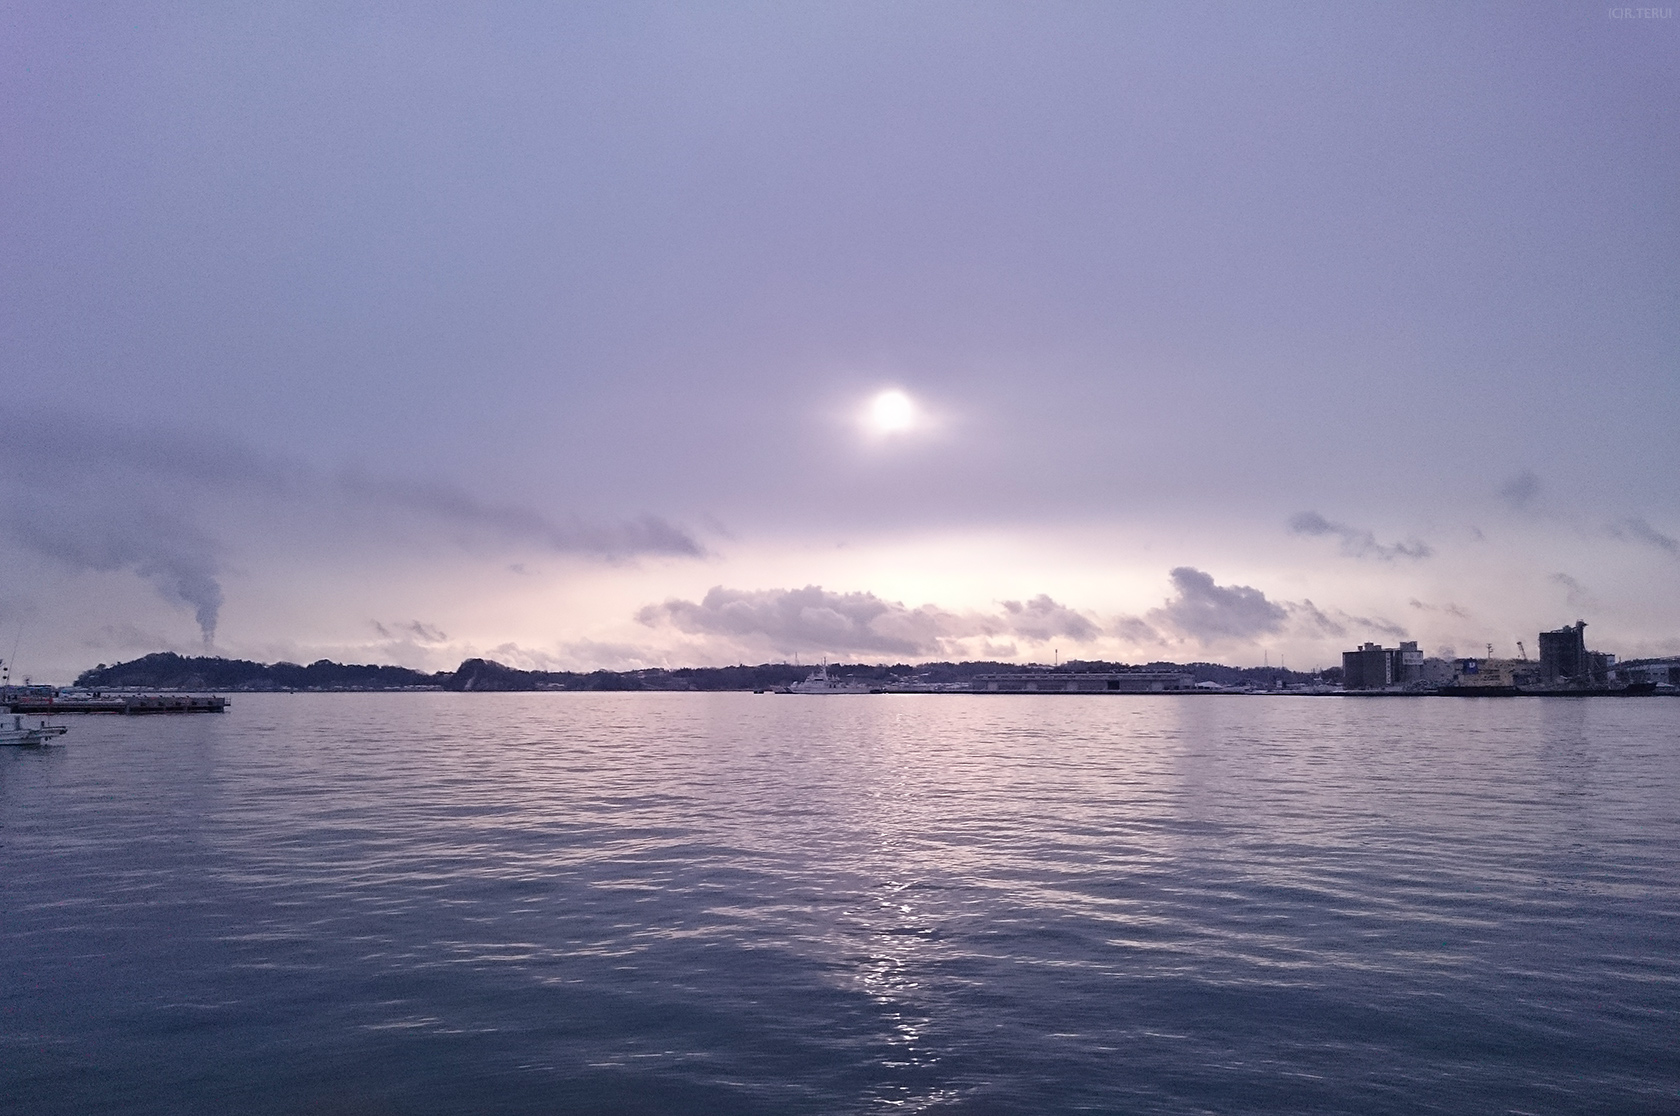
x=623 y=335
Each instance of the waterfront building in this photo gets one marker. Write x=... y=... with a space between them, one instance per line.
x=1661 y=672
x=1370 y=667
x=1563 y=653
x=1373 y=667
x=1408 y=663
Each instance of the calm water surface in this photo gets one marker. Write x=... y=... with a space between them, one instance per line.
x=738 y=903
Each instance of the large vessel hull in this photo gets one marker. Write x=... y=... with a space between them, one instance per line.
x=14 y=731
x=1632 y=689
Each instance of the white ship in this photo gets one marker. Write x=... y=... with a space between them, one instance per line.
x=818 y=682
x=14 y=731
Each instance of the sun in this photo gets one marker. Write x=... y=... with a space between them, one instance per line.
x=892 y=412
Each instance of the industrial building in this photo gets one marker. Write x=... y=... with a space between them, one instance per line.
x=1663 y=673
x=1373 y=667
x=1565 y=667
x=1565 y=660
x=1563 y=653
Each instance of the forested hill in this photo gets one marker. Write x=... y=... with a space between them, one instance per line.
x=169 y=671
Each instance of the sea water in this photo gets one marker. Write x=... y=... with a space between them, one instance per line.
x=739 y=903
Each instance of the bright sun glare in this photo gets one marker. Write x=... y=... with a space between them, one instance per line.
x=892 y=412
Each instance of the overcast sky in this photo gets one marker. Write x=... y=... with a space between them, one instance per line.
x=557 y=333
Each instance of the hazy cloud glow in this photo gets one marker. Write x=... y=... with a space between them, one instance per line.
x=519 y=318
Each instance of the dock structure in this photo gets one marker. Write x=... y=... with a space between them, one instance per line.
x=1070 y=682
x=115 y=703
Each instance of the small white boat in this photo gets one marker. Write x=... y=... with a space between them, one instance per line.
x=13 y=730
x=819 y=682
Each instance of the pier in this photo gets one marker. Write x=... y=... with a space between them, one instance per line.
x=114 y=703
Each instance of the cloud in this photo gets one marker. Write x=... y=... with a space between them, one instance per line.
x=729 y=622
x=1357 y=542
x=1136 y=630
x=150 y=503
x=155 y=542
x=1449 y=609
x=1574 y=592
x=121 y=458
x=1042 y=619
x=1637 y=530
x=415 y=631
x=446 y=504
x=808 y=619
x=1372 y=624
x=814 y=619
x=426 y=633
x=1316 y=618
x=1519 y=492
x=1207 y=612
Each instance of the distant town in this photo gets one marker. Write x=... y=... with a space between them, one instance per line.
x=1562 y=665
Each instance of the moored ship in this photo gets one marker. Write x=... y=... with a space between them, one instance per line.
x=1491 y=678
x=13 y=730
x=820 y=682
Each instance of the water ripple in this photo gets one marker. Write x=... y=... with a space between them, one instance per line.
x=751 y=903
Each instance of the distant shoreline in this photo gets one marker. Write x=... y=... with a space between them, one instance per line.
x=167 y=671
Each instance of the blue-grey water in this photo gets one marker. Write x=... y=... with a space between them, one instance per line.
x=738 y=903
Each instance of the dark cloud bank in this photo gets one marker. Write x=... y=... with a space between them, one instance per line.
x=109 y=499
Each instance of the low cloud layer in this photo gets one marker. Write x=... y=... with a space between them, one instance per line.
x=816 y=620
x=113 y=499
x=1356 y=541
x=809 y=619
x=1201 y=613
x=1205 y=613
